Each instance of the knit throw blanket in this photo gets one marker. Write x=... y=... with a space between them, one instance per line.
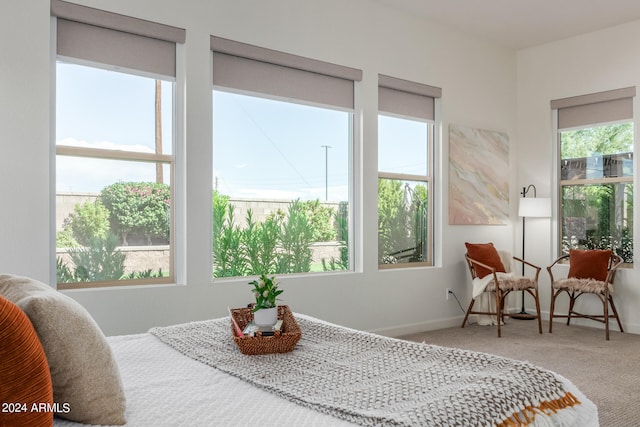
x=373 y=380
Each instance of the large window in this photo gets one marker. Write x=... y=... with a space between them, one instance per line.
x=405 y=173
x=282 y=144
x=596 y=173
x=114 y=151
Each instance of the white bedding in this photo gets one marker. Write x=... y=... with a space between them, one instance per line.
x=165 y=388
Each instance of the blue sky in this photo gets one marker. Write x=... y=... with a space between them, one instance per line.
x=262 y=148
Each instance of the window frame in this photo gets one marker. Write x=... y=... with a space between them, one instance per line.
x=428 y=180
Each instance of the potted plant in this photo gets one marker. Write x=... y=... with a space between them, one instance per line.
x=265 y=290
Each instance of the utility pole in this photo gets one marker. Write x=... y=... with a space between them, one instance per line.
x=326 y=171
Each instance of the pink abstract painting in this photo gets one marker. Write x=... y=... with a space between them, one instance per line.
x=478 y=176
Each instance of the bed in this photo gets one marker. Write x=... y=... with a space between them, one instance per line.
x=194 y=375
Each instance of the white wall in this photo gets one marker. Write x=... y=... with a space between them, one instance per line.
x=594 y=62
x=479 y=90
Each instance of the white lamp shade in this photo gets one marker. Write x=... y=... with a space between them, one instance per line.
x=535 y=207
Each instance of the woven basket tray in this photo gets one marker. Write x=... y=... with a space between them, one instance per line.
x=282 y=341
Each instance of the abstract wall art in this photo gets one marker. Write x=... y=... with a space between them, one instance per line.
x=478 y=176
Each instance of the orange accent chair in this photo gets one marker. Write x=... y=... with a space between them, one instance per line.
x=590 y=272
x=484 y=260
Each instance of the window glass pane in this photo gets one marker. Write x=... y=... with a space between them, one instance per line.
x=113 y=215
x=598 y=217
x=402 y=145
x=281 y=186
x=597 y=152
x=110 y=110
x=598 y=212
x=403 y=218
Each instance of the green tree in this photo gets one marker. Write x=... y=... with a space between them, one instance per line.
x=138 y=207
x=603 y=140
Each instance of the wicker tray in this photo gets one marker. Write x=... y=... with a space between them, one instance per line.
x=282 y=341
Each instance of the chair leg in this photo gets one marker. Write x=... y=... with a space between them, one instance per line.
x=605 y=303
x=572 y=301
x=551 y=310
x=615 y=312
x=499 y=302
x=466 y=316
x=538 y=311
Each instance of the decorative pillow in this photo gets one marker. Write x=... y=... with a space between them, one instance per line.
x=24 y=373
x=85 y=377
x=589 y=264
x=487 y=254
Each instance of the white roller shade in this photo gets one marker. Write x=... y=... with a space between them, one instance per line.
x=109 y=38
x=254 y=69
x=406 y=98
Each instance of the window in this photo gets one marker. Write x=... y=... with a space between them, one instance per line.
x=282 y=144
x=114 y=150
x=596 y=141
x=405 y=172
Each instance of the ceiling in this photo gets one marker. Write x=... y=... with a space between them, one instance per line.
x=523 y=23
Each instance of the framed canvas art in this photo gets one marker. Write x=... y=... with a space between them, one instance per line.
x=478 y=176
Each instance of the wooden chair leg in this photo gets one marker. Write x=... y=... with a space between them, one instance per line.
x=466 y=316
x=615 y=312
x=572 y=301
x=538 y=311
x=605 y=303
x=551 y=310
x=499 y=310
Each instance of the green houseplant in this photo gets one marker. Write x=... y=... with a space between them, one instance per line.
x=266 y=292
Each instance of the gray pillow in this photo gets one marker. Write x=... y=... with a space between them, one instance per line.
x=83 y=369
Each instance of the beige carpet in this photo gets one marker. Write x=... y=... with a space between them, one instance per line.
x=607 y=372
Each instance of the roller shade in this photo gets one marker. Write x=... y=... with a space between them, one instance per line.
x=405 y=98
x=109 y=38
x=596 y=108
x=254 y=69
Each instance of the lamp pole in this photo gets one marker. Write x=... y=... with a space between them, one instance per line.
x=525 y=190
x=326 y=171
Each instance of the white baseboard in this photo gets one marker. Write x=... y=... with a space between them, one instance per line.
x=414 y=328
x=434 y=325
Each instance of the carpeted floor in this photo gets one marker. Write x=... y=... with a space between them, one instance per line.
x=607 y=372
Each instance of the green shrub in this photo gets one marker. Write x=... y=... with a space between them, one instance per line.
x=87 y=221
x=321 y=219
x=64 y=239
x=98 y=261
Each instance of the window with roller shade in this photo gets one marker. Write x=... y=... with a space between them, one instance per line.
x=406 y=124
x=115 y=147
x=282 y=158
x=595 y=171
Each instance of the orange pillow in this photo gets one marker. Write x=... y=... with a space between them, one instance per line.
x=589 y=264
x=487 y=254
x=24 y=372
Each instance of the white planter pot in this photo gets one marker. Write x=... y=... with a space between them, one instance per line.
x=266 y=316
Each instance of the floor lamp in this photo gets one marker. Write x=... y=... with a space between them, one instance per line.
x=532 y=207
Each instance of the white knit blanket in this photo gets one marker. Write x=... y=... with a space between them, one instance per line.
x=372 y=380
